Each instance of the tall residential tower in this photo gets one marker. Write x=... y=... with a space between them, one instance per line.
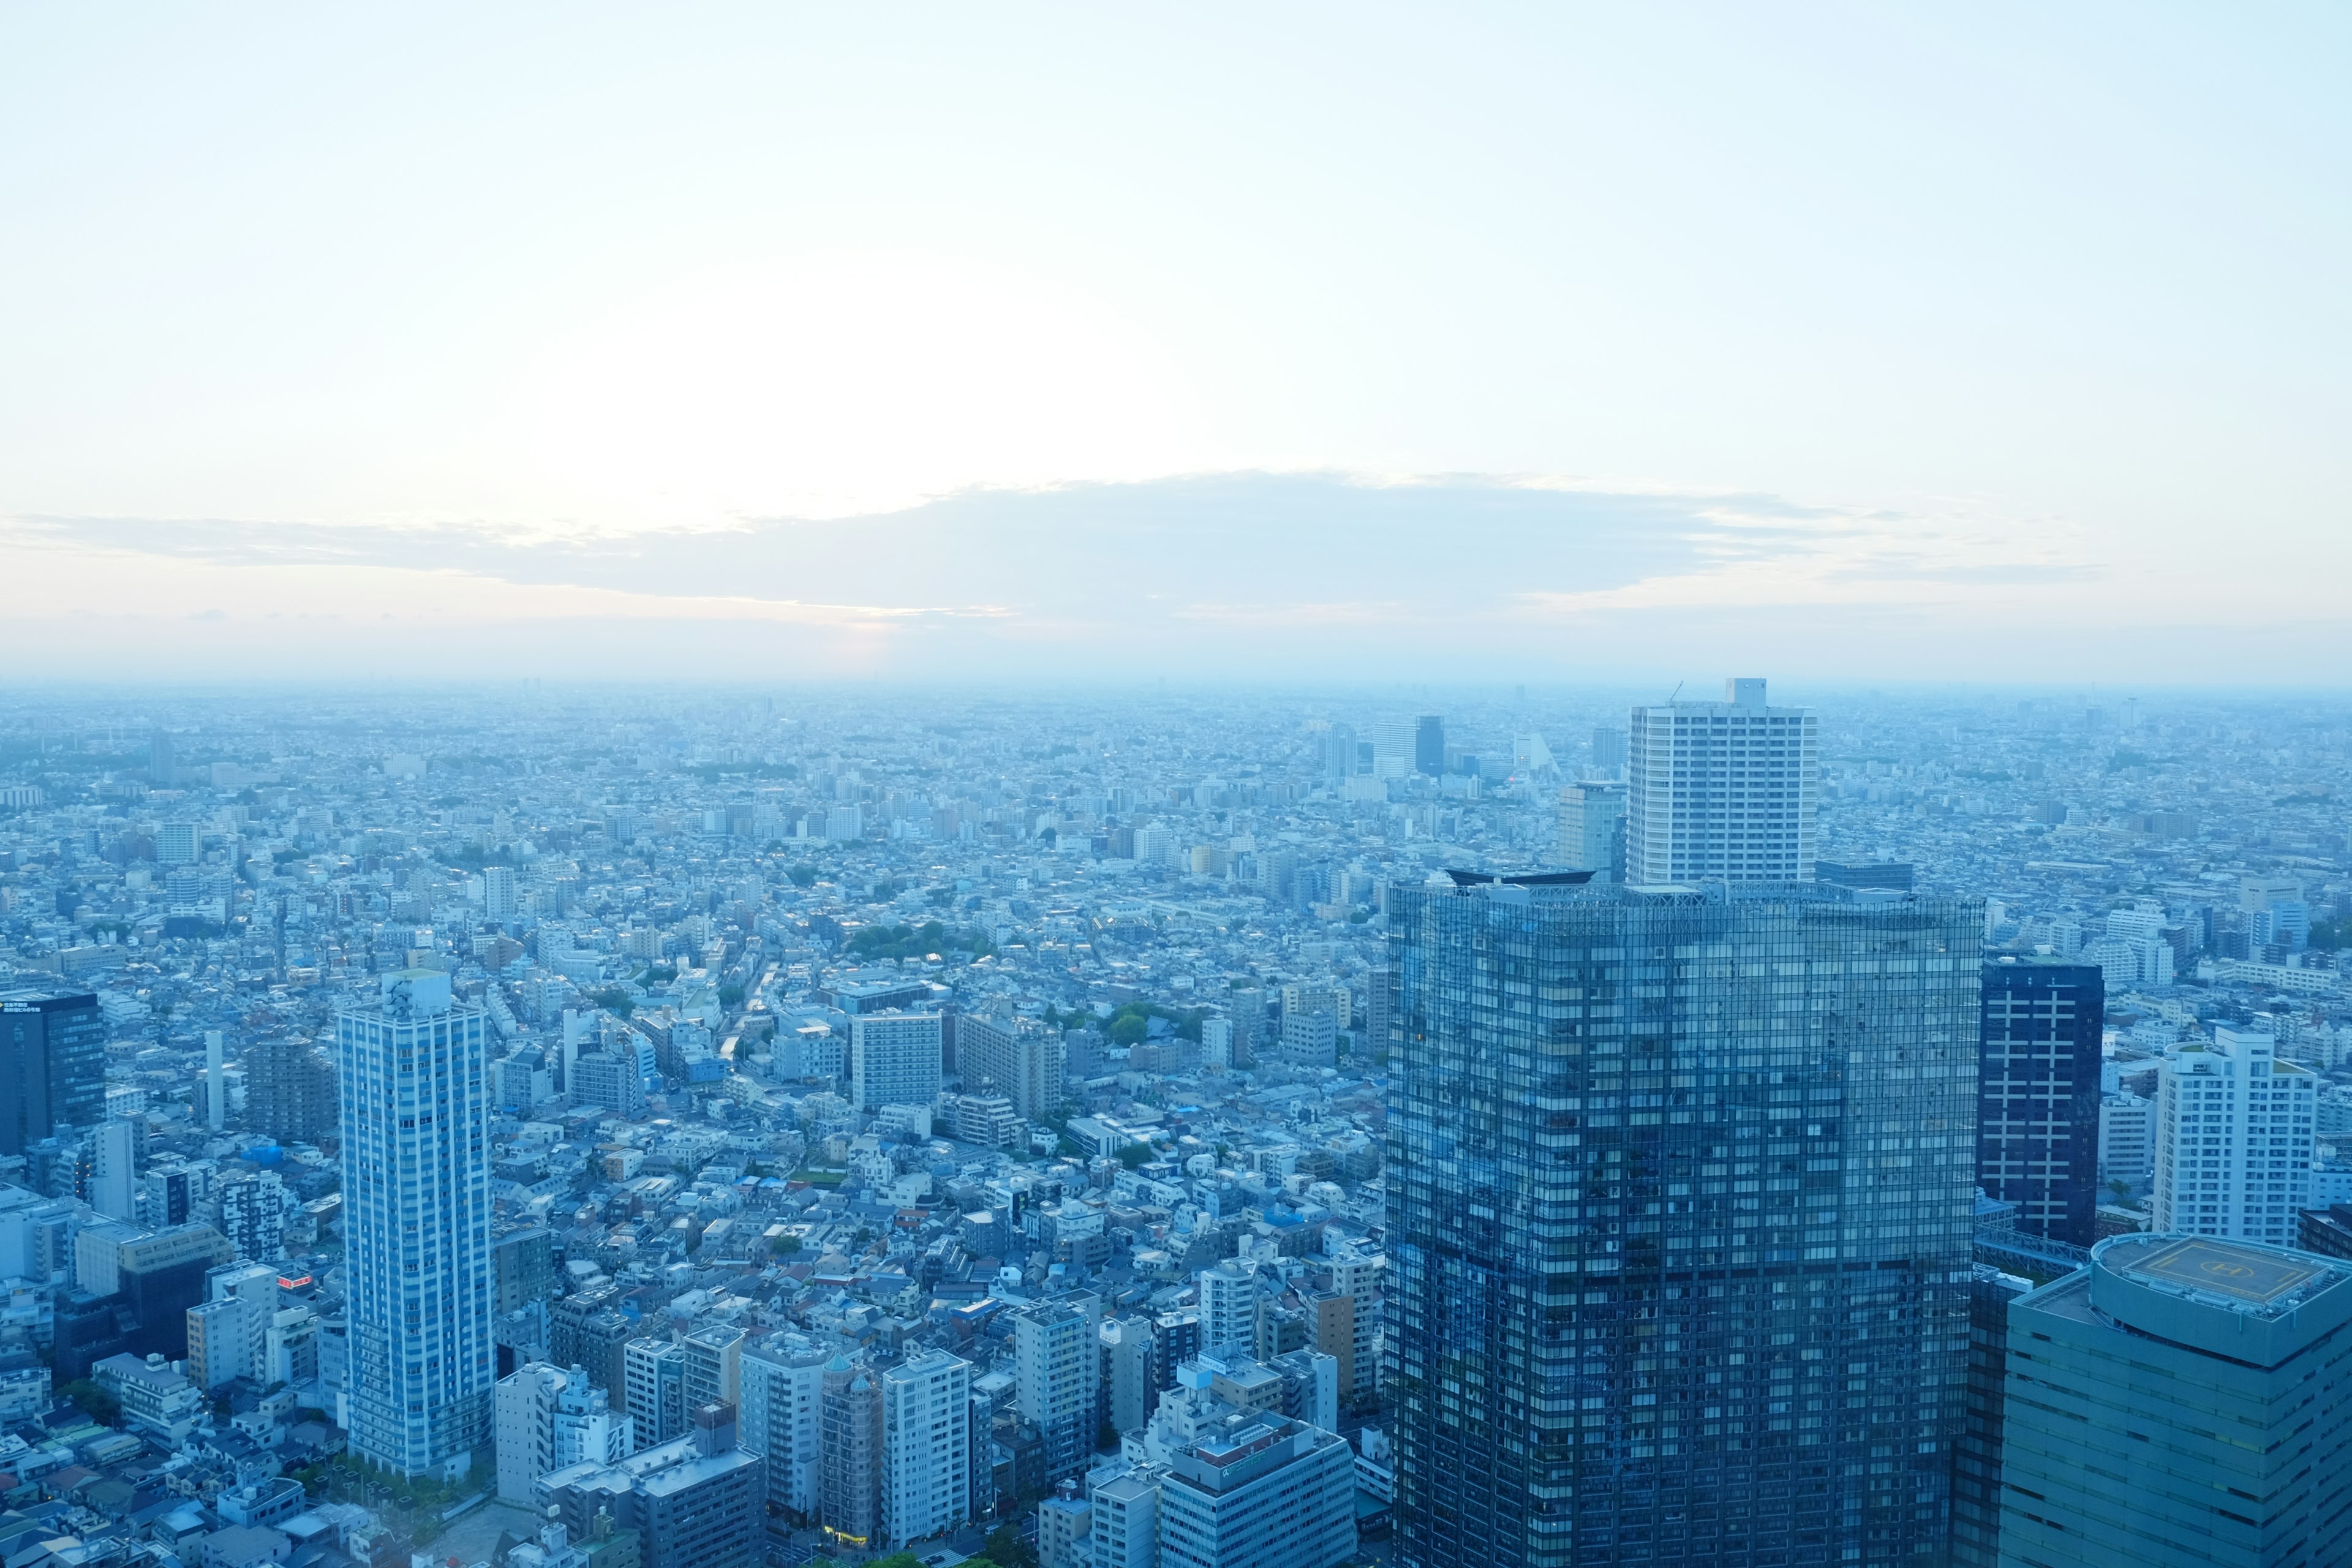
x=1721 y=791
x=416 y=1227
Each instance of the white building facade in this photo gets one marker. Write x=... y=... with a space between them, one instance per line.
x=414 y=1083
x=1722 y=790
x=2234 y=1135
x=894 y=1059
x=926 y=1453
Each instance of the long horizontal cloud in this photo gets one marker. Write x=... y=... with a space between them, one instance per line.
x=1235 y=548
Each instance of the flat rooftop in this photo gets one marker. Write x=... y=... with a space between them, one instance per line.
x=2257 y=1277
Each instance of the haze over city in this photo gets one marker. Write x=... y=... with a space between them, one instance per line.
x=1022 y=787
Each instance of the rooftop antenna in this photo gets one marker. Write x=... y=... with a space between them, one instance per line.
x=1677 y=692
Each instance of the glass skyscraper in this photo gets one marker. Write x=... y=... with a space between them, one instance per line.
x=416 y=1217
x=2038 y=1094
x=53 y=1061
x=1679 y=1229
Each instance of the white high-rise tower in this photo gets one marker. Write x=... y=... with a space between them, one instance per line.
x=1721 y=791
x=417 y=1204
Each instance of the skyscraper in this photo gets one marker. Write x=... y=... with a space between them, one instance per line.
x=1608 y=751
x=53 y=1061
x=2038 y=1094
x=1592 y=830
x=926 y=1458
x=416 y=1181
x=1721 y=790
x=894 y=1059
x=1679 y=1224
x=2180 y=1402
x=1428 y=744
x=2234 y=1134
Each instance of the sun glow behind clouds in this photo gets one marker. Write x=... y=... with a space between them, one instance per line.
x=840 y=383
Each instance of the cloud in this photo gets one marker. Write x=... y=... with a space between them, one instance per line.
x=1218 y=571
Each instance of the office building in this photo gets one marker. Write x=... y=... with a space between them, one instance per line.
x=52 y=1060
x=1021 y=1063
x=1608 y=751
x=1428 y=744
x=2234 y=1136
x=1057 y=1359
x=699 y=1501
x=1339 y=761
x=653 y=1373
x=2038 y=1094
x=851 y=1444
x=1592 y=830
x=1260 y=1490
x=162 y=770
x=416 y=1216
x=1766 y=1361
x=1976 y=1452
x=783 y=1391
x=926 y=1447
x=2181 y=1401
x=1721 y=791
x=1123 y=1510
x=894 y=1059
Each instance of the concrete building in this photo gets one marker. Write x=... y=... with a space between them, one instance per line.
x=416 y=1207
x=2126 y=1139
x=926 y=1447
x=1260 y=1491
x=2235 y=1138
x=1023 y=1063
x=714 y=1365
x=2181 y=1401
x=1064 y=1522
x=699 y=1501
x=1128 y=1393
x=852 y=1444
x=783 y=1390
x=1721 y=791
x=1058 y=1365
x=894 y=1059
x=652 y=1373
x=1228 y=1305
x=1123 y=1510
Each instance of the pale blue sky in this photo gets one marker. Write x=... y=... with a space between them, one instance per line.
x=2028 y=323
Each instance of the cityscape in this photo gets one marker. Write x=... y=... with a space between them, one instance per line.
x=547 y=1126
x=1042 y=785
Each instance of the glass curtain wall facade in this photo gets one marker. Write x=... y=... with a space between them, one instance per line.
x=1679 y=1233
x=2038 y=1095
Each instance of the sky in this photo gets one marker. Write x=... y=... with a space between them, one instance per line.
x=1017 y=343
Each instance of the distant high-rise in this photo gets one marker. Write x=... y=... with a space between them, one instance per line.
x=2234 y=1135
x=1592 y=830
x=416 y=1206
x=926 y=1437
x=115 y=1144
x=1721 y=791
x=1428 y=744
x=289 y=1088
x=2179 y=1402
x=1609 y=751
x=1679 y=1224
x=2038 y=1095
x=162 y=771
x=499 y=901
x=176 y=844
x=894 y=1059
x=1339 y=753
x=53 y=1061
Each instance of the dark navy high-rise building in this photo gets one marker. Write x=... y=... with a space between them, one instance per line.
x=2038 y=1094
x=1681 y=1186
x=52 y=1064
